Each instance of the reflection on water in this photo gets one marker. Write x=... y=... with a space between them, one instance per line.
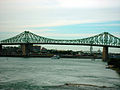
x=52 y=74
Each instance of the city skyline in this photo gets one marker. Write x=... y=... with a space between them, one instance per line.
x=60 y=19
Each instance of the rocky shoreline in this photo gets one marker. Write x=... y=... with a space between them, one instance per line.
x=114 y=63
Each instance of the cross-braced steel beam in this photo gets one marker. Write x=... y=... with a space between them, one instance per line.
x=103 y=39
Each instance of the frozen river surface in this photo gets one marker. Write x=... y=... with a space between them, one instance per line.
x=52 y=74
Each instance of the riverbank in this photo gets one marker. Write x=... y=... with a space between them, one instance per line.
x=49 y=56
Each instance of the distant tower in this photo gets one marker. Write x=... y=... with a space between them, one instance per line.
x=99 y=51
x=91 y=49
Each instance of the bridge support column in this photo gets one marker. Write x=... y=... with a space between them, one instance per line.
x=26 y=49
x=0 y=49
x=105 y=53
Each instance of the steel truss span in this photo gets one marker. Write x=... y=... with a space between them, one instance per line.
x=103 y=39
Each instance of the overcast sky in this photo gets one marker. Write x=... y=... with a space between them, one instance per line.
x=63 y=19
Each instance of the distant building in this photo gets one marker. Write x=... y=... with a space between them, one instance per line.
x=36 y=48
x=43 y=50
x=99 y=51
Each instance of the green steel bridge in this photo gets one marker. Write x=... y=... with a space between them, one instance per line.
x=26 y=38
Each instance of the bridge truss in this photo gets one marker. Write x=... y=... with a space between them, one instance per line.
x=103 y=39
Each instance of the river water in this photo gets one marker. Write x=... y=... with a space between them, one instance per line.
x=52 y=74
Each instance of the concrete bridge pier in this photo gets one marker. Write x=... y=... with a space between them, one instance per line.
x=105 y=53
x=26 y=49
x=0 y=49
